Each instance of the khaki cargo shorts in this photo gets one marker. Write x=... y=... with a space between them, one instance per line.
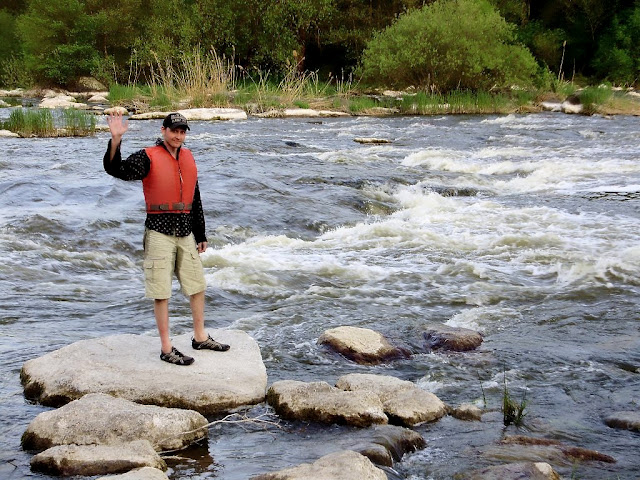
x=165 y=254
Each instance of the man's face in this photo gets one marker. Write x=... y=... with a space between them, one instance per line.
x=174 y=137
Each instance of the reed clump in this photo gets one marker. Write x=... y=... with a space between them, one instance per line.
x=513 y=412
x=43 y=123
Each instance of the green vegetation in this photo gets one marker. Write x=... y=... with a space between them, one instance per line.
x=512 y=412
x=42 y=123
x=449 y=45
x=462 y=44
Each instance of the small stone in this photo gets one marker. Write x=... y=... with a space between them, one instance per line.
x=466 y=411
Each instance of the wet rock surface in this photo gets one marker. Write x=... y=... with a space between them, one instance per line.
x=104 y=420
x=97 y=459
x=403 y=401
x=128 y=366
x=320 y=402
x=514 y=471
x=347 y=465
x=144 y=473
x=390 y=443
x=362 y=345
x=452 y=339
x=624 y=420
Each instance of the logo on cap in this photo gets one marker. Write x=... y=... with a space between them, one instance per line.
x=175 y=120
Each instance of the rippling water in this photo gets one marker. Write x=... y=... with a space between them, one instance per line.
x=522 y=227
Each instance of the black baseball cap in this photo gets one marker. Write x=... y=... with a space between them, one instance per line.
x=175 y=120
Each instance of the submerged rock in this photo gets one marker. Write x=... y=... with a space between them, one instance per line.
x=514 y=471
x=571 y=452
x=128 y=366
x=624 y=420
x=320 y=402
x=104 y=420
x=144 y=473
x=390 y=443
x=367 y=140
x=466 y=411
x=453 y=339
x=361 y=345
x=346 y=465
x=403 y=401
x=97 y=459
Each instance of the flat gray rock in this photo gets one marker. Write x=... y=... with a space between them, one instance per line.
x=403 y=401
x=129 y=366
x=97 y=459
x=346 y=465
x=144 y=473
x=101 y=419
x=320 y=402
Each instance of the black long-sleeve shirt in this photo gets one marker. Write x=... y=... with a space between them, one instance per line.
x=136 y=167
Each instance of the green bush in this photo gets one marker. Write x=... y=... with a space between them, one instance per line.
x=448 y=45
x=618 y=56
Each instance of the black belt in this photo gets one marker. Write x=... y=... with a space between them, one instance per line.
x=164 y=207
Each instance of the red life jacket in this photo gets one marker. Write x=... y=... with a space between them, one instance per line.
x=170 y=184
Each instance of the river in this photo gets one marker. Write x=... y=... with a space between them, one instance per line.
x=524 y=227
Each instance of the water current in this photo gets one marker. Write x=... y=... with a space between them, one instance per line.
x=524 y=227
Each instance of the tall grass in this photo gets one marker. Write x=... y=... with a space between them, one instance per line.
x=512 y=411
x=28 y=123
x=592 y=97
x=200 y=79
x=455 y=102
x=43 y=123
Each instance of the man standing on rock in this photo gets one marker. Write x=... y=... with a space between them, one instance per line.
x=174 y=227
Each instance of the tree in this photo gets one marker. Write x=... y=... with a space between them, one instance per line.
x=450 y=44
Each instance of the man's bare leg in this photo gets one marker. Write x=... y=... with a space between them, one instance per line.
x=197 y=312
x=161 y=312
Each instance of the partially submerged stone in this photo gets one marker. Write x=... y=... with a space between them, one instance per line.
x=97 y=459
x=466 y=411
x=144 y=473
x=570 y=452
x=119 y=110
x=320 y=402
x=301 y=113
x=624 y=420
x=390 y=443
x=129 y=366
x=105 y=420
x=346 y=465
x=361 y=345
x=403 y=401
x=453 y=339
x=62 y=101
x=371 y=140
x=514 y=471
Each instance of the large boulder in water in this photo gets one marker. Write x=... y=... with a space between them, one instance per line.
x=346 y=465
x=403 y=401
x=97 y=459
x=99 y=419
x=320 y=402
x=361 y=345
x=129 y=366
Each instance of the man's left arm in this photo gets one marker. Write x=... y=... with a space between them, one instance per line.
x=197 y=216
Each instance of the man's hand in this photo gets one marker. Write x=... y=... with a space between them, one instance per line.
x=202 y=247
x=117 y=128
